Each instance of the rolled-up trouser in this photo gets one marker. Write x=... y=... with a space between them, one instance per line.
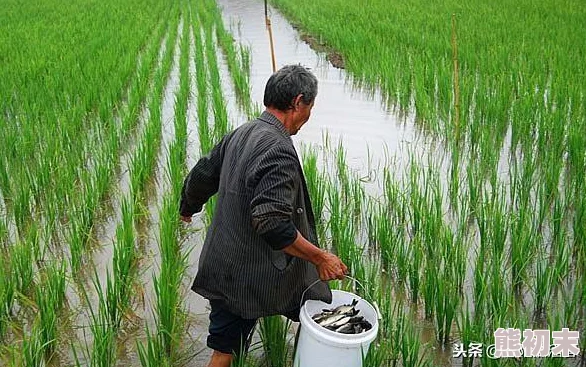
x=231 y=334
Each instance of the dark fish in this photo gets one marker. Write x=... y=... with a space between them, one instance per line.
x=346 y=329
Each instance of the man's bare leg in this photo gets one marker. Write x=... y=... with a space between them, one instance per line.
x=220 y=359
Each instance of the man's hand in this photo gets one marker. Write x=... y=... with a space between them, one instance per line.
x=186 y=219
x=330 y=267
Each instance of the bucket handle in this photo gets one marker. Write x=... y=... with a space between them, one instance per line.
x=378 y=314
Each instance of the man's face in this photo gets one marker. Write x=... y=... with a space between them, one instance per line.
x=302 y=113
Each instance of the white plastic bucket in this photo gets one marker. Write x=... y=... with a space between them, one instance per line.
x=320 y=347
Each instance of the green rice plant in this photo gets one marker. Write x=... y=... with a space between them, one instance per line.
x=522 y=248
x=22 y=261
x=5 y=186
x=77 y=240
x=342 y=231
x=342 y=172
x=103 y=351
x=560 y=252
x=49 y=297
x=316 y=185
x=410 y=344
x=415 y=266
x=543 y=285
x=389 y=239
x=7 y=294
x=244 y=360
x=32 y=349
x=446 y=305
x=273 y=333
x=377 y=355
x=469 y=329
x=124 y=260
x=430 y=291
x=4 y=234
x=21 y=208
x=390 y=328
x=153 y=354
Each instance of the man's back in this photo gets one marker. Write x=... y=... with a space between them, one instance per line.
x=260 y=184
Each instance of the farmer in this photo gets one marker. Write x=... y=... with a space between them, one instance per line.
x=260 y=252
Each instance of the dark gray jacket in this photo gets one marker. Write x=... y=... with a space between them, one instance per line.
x=261 y=189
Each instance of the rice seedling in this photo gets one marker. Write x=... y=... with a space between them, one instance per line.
x=316 y=186
x=410 y=344
x=102 y=325
x=32 y=349
x=153 y=354
x=124 y=261
x=49 y=297
x=543 y=285
x=273 y=333
x=7 y=293
x=446 y=304
x=22 y=261
x=469 y=330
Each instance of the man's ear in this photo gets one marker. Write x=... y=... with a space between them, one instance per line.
x=297 y=100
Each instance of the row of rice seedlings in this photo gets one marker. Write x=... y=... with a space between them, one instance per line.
x=201 y=80
x=125 y=259
x=182 y=96
x=144 y=160
x=220 y=126
x=95 y=192
x=163 y=347
x=238 y=60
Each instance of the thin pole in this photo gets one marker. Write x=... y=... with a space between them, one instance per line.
x=268 y=23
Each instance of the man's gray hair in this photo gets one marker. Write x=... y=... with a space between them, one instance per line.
x=286 y=84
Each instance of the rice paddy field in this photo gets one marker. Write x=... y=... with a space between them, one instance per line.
x=446 y=165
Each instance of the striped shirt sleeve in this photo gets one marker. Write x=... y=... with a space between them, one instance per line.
x=272 y=202
x=202 y=181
